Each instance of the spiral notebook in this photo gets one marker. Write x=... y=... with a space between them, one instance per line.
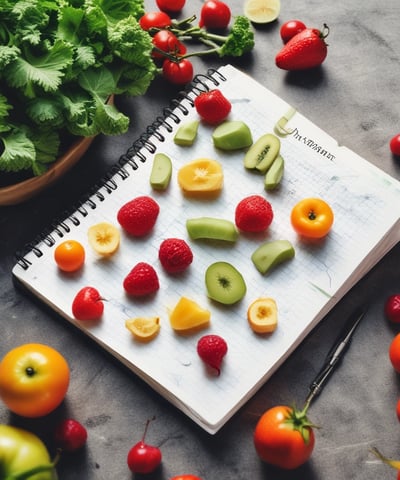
x=364 y=200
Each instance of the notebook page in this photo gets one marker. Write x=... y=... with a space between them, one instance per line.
x=311 y=283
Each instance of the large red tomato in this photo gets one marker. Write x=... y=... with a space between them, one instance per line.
x=284 y=437
x=34 y=379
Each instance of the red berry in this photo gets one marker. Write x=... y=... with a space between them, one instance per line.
x=144 y=458
x=70 y=435
x=87 y=304
x=253 y=214
x=212 y=349
x=175 y=255
x=141 y=280
x=139 y=215
x=213 y=107
x=392 y=308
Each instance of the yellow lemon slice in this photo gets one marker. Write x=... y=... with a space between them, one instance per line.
x=188 y=315
x=262 y=11
x=262 y=315
x=201 y=176
x=104 y=238
x=143 y=329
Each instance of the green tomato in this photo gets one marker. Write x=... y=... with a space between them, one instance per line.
x=23 y=456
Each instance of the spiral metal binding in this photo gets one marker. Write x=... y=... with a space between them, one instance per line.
x=59 y=228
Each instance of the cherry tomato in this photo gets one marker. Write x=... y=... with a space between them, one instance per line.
x=186 y=477
x=168 y=42
x=34 y=379
x=312 y=217
x=290 y=29
x=394 y=353
x=70 y=435
x=178 y=73
x=170 y=5
x=284 y=438
x=398 y=410
x=215 y=14
x=155 y=20
x=392 y=308
x=69 y=256
x=395 y=145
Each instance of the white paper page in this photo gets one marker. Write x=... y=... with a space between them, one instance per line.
x=303 y=287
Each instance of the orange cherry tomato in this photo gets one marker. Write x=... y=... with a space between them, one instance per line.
x=186 y=477
x=69 y=256
x=312 y=217
x=394 y=353
x=34 y=379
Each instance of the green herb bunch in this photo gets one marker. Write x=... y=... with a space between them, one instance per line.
x=60 y=60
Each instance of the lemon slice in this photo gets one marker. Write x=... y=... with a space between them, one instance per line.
x=262 y=315
x=104 y=238
x=201 y=176
x=143 y=329
x=187 y=315
x=262 y=11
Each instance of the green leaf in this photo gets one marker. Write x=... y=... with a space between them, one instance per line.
x=19 y=151
x=110 y=121
x=98 y=81
x=8 y=55
x=46 y=111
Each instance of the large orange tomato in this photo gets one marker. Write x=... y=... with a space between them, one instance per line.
x=312 y=217
x=284 y=437
x=34 y=379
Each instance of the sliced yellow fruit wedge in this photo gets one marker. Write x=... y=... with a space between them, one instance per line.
x=188 y=315
x=201 y=176
x=104 y=238
x=262 y=315
x=143 y=329
x=262 y=11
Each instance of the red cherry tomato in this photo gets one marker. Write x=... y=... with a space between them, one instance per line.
x=394 y=353
x=392 y=308
x=280 y=440
x=215 y=14
x=178 y=73
x=186 y=477
x=170 y=5
x=395 y=145
x=398 y=409
x=168 y=42
x=155 y=20
x=290 y=29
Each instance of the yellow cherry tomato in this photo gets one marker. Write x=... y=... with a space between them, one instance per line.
x=69 y=256
x=34 y=379
x=312 y=217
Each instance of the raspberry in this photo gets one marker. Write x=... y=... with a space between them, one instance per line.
x=212 y=349
x=139 y=215
x=175 y=255
x=212 y=106
x=70 y=435
x=253 y=214
x=141 y=280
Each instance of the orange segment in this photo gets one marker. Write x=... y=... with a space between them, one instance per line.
x=188 y=315
x=143 y=329
x=262 y=315
x=201 y=176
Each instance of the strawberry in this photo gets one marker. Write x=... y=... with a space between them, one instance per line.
x=213 y=107
x=253 y=214
x=70 y=435
x=306 y=49
x=141 y=280
x=87 y=304
x=138 y=216
x=212 y=349
x=175 y=255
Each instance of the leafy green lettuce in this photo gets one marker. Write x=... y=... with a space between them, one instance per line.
x=60 y=60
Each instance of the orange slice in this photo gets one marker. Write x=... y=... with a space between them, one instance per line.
x=143 y=329
x=262 y=315
x=104 y=238
x=201 y=176
x=188 y=315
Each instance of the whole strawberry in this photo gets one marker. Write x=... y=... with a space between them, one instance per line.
x=87 y=304
x=253 y=214
x=213 y=107
x=70 y=435
x=175 y=255
x=306 y=49
x=141 y=280
x=138 y=216
x=212 y=349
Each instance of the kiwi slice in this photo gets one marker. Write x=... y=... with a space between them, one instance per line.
x=224 y=283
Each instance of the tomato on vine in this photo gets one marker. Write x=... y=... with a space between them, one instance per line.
x=155 y=20
x=214 y=14
x=178 y=73
x=167 y=42
x=170 y=5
